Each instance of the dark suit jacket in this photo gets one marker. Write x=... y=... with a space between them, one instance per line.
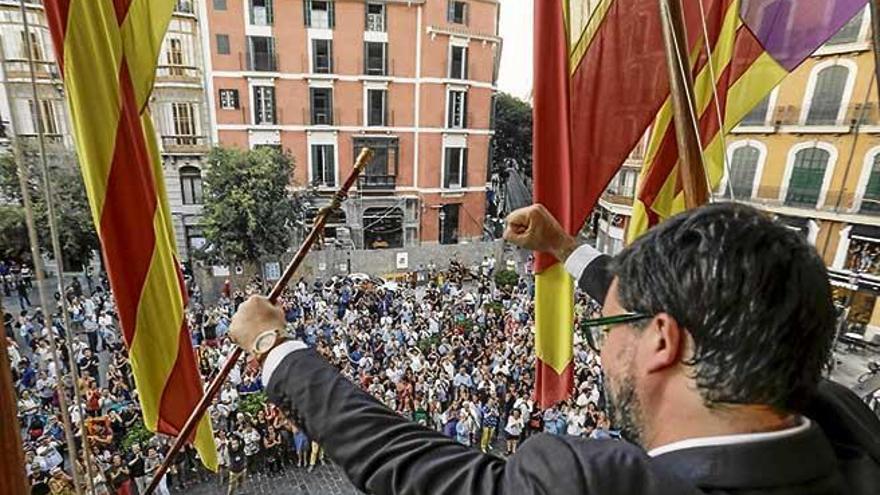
x=383 y=453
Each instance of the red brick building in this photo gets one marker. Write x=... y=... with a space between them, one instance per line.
x=412 y=79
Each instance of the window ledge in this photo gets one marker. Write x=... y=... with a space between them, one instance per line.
x=753 y=129
x=457 y=192
x=815 y=129
x=857 y=46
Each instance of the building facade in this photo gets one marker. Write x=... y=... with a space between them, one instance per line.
x=414 y=80
x=178 y=104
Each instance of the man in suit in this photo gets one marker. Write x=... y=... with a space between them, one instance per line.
x=717 y=326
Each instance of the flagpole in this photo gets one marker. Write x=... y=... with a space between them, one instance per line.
x=214 y=388
x=681 y=89
x=56 y=250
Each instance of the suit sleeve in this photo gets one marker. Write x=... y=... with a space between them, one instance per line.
x=384 y=454
x=590 y=268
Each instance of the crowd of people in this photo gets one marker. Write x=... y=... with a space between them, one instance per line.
x=452 y=350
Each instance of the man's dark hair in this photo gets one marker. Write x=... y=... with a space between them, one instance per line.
x=753 y=294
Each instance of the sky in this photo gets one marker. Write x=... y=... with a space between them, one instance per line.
x=515 y=75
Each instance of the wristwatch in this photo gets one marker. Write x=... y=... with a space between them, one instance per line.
x=265 y=342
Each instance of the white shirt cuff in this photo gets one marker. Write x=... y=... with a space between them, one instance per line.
x=277 y=355
x=579 y=259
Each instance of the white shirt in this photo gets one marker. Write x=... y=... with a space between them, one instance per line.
x=691 y=443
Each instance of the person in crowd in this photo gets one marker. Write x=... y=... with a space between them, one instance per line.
x=237 y=465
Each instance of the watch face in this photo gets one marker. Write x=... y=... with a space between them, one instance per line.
x=264 y=342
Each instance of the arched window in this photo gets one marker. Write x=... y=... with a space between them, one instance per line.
x=743 y=166
x=871 y=199
x=191 y=185
x=807 y=176
x=828 y=95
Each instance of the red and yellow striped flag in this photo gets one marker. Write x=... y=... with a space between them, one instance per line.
x=754 y=45
x=108 y=51
x=600 y=77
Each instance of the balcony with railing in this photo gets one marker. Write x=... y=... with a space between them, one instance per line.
x=178 y=73
x=185 y=144
x=32 y=139
x=16 y=68
x=261 y=61
x=377 y=182
x=793 y=116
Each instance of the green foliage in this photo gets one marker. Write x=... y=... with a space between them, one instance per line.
x=14 y=241
x=249 y=210
x=76 y=231
x=251 y=404
x=513 y=134
x=495 y=307
x=425 y=345
x=506 y=278
x=136 y=434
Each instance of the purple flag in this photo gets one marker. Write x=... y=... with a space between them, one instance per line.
x=790 y=30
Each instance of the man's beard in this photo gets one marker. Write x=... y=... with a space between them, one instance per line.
x=624 y=408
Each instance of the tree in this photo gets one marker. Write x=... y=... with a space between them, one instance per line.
x=14 y=241
x=249 y=210
x=513 y=134
x=76 y=230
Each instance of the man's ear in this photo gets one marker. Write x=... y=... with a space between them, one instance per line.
x=664 y=340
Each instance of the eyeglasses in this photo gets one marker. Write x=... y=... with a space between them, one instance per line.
x=597 y=329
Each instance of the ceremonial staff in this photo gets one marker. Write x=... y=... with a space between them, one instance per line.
x=363 y=158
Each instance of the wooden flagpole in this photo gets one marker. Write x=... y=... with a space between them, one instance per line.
x=875 y=37
x=214 y=388
x=681 y=88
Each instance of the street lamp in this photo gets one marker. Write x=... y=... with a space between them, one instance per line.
x=442 y=224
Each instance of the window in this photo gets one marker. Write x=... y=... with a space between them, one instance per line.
x=222 y=44
x=319 y=14
x=455 y=168
x=191 y=185
x=383 y=228
x=376 y=107
x=807 y=176
x=219 y=4
x=381 y=172
x=624 y=183
x=871 y=199
x=175 y=57
x=828 y=95
x=457 y=12
x=322 y=56
x=229 y=99
x=375 y=17
x=743 y=167
x=456 y=109
x=375 y=55
x=458 y=62
x=261 y=53
x=322 y=106
x=48 y=123
x=449 y=224
x=264 y=105
x=36 y=50
x=758 y=115
x=184 y=123
x=849 y=33
x=323 y=165
x=262 y=13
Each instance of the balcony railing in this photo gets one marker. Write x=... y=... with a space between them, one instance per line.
x=790 y=115
x=185 y=144
x=184 y=7
x=22 y=66
x=377 y=182
x=178 y=72
x=262 y=61
x=32 y=139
